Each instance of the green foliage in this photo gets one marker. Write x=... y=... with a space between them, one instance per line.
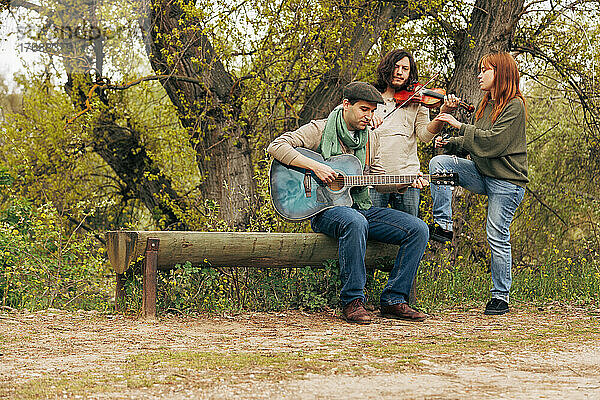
x=51 y=160
x=445 y=283
x=5 y=178
x=46 y=264
x=190 y=288
x=199 y=289
x=446 y=280
x=560 y=278
x=278 y=52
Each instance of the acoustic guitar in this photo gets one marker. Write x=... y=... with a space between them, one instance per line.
x=297 y=194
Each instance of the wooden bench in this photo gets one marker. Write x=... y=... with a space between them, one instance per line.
x=164 y=249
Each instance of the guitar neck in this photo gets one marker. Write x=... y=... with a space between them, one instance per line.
x=379 y=180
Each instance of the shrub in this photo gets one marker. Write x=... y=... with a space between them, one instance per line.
x=45 y=263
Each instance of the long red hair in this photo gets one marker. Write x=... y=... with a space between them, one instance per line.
x=506 y=83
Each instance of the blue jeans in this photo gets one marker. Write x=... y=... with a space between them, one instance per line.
x=352 y=228
x=503 y=199
x=407 y=201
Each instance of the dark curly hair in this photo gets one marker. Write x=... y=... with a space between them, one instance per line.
x=386 y=68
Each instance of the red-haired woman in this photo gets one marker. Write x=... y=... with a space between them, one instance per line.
x=496 y=142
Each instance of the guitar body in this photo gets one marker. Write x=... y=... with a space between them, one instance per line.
x=297 y=194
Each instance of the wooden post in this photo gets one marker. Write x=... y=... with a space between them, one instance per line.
x=150 y=263
x=412 y=296
x=120 y=293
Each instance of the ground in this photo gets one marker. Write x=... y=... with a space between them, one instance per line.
x=532 y=352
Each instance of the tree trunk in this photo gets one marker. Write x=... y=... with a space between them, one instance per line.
x=210 y=109
x=370 y=24
x=121 y=148
x=491 y=28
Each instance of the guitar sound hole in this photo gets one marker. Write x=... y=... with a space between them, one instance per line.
x=337 y=184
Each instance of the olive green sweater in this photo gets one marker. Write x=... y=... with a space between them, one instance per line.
x=499 y=149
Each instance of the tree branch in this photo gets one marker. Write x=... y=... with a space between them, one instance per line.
x=127 y=85
x=538 y=198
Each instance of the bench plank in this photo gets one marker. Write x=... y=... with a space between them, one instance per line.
x=165 y=249
x=235 y=249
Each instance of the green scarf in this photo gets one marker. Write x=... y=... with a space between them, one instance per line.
x=336 y=131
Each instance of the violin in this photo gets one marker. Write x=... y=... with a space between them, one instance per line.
x=430 y=98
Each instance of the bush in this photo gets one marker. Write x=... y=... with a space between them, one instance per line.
x=194 y=289
x=42 y=263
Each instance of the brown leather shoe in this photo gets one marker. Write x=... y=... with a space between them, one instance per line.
x=402 y=311
x=355 y=312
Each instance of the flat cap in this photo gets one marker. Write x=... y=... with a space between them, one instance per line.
x=362 y=91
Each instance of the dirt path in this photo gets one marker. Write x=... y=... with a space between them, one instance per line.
x=529 y=353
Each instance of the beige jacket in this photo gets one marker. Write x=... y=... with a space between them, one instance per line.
x=398 y=136
x=309 y=136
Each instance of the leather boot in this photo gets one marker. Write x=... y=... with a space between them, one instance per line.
x=401 y=311
x=356 y=313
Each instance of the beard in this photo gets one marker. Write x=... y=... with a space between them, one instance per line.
x=400 y=87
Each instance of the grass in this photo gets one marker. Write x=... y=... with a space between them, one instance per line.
x=76 y=384
x=458 y=287
x=445 y=287
x=444 y=281
x=355 y=352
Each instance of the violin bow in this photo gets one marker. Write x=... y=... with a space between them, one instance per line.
x=412 y=95
x=415 y=93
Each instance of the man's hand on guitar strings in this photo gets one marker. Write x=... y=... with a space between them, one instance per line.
x=324 y=172
x=420 y=182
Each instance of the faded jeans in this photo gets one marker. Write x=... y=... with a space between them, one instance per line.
x=408 y=201
x=352 y=228
x=503 y=199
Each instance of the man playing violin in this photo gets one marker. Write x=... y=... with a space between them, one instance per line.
x=346 y=130
x=399 y=128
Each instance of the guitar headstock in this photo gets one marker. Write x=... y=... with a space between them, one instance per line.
x=444 y=178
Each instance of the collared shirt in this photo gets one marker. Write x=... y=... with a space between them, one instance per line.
x=309 y=136
x=398 y=136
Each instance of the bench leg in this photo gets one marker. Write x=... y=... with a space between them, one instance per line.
x=120 y=293
x=412 y=297
x=150 y=262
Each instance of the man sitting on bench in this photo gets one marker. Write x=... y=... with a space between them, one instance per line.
x=346 y=130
